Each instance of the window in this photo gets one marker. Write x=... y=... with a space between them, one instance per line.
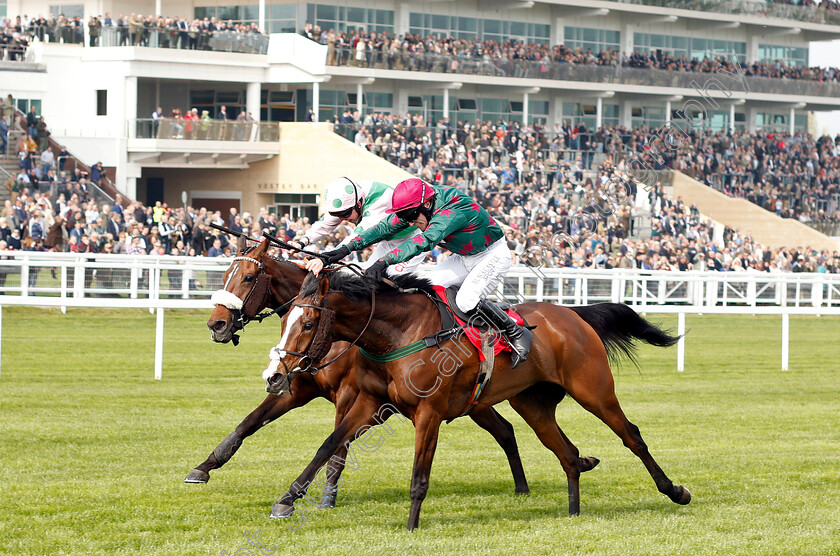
x=467 y=104
x=101 y=102
x=71 y=10
x=485 y=29
x=343 y=18
x=688 y=47
x=381 y=102
x=281 y=18
x=789 y=55
x=352 y=99
x=595 y=40
x=415 y=102
x=2 y=8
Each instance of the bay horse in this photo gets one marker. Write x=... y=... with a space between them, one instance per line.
x=570 y=353
x=255 y=281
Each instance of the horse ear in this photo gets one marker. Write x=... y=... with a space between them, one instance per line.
x=262 y=247
x=323 y=286
x=241 y=245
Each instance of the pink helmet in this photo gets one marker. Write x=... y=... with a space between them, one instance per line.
x=410 y=193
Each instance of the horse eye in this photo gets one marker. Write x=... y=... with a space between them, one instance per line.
x=308 y=326
x=248 y=278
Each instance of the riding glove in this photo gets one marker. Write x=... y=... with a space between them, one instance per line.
x=331 y=257
x=376 y=270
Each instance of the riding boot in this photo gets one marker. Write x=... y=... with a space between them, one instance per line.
x=518 y=336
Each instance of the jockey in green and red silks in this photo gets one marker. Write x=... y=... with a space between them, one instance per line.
x=452 y=219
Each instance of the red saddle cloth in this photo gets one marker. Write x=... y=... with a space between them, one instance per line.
x=474 y=335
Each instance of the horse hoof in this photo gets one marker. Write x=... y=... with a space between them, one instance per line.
x=588 y=463
x=681 y=495
x=281 y=511
x=522 y=491
x=327 y=502
x=197 y=476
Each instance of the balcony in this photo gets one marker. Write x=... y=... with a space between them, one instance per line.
x=810 y=14
x=170 y=142
x=617 y=75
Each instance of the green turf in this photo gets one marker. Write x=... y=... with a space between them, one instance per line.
x=93 y=451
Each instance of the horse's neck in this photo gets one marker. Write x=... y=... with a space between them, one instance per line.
x=286 y=279
x=395 y=322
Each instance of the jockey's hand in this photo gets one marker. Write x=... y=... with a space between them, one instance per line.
x=331 y=257
x=376 y=270
x=314 y=265
x=296 y=244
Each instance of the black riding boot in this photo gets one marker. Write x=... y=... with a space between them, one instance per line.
x=518 y=336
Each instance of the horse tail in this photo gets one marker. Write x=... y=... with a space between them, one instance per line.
x=619 y=326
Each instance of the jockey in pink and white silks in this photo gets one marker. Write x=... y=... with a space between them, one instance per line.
x=364 y=203
x=480 y=256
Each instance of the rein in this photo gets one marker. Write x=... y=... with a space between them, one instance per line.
x=322 y=330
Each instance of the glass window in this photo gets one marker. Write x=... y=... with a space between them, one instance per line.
x=356 y=15
x=228 y=12
x=595 y=40
x=789 y=55
x=327 y=12
x=539 y=106
x=440 y=22
x=71 y=10
x=250 y=14
x=206 y=11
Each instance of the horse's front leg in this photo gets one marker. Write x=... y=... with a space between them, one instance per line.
x=270 y=409
x=427 y=426
x=366 y=410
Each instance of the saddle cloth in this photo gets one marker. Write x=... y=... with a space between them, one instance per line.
x=447 y=295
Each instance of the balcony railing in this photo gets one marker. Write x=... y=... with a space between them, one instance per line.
x=155 y=37
x=618 y=75
x=811 y=14
x=204 y=130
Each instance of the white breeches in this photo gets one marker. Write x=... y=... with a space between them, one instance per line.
x=478 y=274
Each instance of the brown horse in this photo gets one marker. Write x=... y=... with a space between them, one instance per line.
x=569 y=354
x=257 y=281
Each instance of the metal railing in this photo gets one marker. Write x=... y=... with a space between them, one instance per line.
x=69 y=275
x=590 y=73
x=203 y=130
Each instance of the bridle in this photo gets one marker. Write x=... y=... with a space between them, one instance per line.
x=321 y=341
x=248 y=310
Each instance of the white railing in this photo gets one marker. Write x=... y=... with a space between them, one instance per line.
x=158 y=283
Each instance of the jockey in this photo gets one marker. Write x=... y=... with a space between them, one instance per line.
x=364 y=203
x=480 y=258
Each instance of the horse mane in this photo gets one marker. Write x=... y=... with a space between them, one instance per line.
x=357 y=288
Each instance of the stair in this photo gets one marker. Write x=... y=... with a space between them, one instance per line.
x=9 y=163
x=740 y=214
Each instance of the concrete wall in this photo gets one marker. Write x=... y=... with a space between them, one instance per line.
x=765 y=227
x=311 y=156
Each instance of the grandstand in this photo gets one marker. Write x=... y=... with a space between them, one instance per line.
x=577 y=84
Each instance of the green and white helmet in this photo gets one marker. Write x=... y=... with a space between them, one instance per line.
x=342 y=194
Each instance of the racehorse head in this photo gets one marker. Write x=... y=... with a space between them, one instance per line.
x=307 y=336
x=245 y=293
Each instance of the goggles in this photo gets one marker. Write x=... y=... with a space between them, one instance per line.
x=409 y=215
x=344 y=213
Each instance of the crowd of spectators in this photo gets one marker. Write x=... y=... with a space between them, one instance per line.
x=124 y=30
x=451 y=55
x=677 y=238
x=795 y=177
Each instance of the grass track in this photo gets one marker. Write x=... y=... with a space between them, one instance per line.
x=93 y=451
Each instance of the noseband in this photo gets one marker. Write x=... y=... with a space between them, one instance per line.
x=246 y=310
x=321 y=342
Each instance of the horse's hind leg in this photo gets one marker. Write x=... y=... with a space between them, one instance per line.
x=538 y=411
x=594 y=390
x=502 y=431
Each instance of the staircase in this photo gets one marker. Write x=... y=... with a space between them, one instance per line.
x=9 y=167
x=740 y=214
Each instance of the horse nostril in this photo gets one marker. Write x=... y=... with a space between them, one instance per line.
x=218 y=325
x=275 y=378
